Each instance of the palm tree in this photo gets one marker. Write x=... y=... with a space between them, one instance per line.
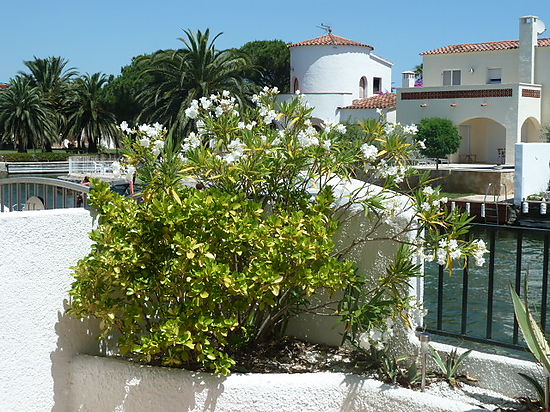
x=183 y=75
x=87 y=116
x=24 y=115
x=52 y=77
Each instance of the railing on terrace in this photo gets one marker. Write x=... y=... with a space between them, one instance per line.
x=84 y=165
x=38 y=193
x=477 y=306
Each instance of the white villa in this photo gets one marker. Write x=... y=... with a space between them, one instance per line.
x=342 y=79
x=497 y=93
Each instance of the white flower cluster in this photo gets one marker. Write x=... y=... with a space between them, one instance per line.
x=257 y=98
x=151 y=136
x=123 y=170
x=377 y=338
x=369 y=152
x=236 y=150
x=386 y=170
x=308 y=137
x=218 y=104
x=337 y=127
x=191 y=142
x=479 y=249
x=410 y=129
x=427 y=205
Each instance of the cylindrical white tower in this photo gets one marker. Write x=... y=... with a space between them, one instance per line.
x=334 y=64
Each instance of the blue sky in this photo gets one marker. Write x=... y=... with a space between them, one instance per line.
x=101 y=35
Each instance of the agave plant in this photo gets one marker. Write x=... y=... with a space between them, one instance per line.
x=533 y=335
x=449 y=367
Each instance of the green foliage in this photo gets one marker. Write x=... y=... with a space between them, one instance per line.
x=399 y=370
x=449 y=367
x=271 y=59
x=197 y=70
x=87 y=113
x=188 y=277
x=539 y=389
x=37 y=157
x=25 y=117
x=440 y=136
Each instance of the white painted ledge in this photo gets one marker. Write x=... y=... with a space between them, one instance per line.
x=105 y=385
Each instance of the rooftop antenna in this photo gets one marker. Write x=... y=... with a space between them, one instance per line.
x=326 y=27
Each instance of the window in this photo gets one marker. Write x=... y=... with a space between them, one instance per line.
x=494 y=76
x=363 y=88
x=295 y=85
x=451 y=78
x=376 y=85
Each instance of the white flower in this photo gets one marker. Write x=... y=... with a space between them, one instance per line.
x=250 y=125
x=411 y=129
x=191 y=142
x=205 y=102
x=241 y=125
x=428 y=190
x=369 y=151
x=297 y=92
x=364 y=342
x=218 y=111
x=375 y=335
x=145 y=142
x=340 y=128
x=429 y=257
x=236 y=151
x=255 y=98
x=422 y=144
x=192 y=112
x=270 y=116
x=157 y=147
x=389 y=127
x=441 y=255
x=455 y=254
x=425 y=206
x=124 y=126
x=379 y=112
x=225 y=93
x=326 y=144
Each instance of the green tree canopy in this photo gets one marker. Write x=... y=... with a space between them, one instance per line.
x=25 y=117
x=180 y=76
x=88 y=117
x=271 y=59
x=440 y=136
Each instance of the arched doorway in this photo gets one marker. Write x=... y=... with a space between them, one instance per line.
x=363 y=87
x=530 y=131
x=295 y=85
x=483 y=141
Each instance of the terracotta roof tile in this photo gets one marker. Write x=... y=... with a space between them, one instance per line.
x=380 y=101
x=482 y=47
x=328 y=40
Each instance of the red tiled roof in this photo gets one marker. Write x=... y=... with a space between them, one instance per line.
x=380 y=101
x=482 y=47
x=329 y=40
x=4 y=85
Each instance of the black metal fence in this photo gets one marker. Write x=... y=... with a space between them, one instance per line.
x=468 y=312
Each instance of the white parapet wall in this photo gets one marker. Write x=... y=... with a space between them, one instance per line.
x=108 y=385
x=532 y=169
x=38 y=340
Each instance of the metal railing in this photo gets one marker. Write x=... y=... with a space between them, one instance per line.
x=38 y=193
x=456 y=307
x=84 y=165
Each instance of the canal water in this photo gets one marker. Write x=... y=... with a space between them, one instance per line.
x=504 y=275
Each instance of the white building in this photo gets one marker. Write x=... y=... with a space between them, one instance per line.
x=341 y=78
x=497 y=93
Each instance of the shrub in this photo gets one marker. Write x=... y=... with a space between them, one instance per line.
x=185 y=274
x=192 y=275
x=440 y=137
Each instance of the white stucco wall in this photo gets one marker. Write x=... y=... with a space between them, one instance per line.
x=322 y=69
x=38 y=340
x=434 y=65
x=108 y=385
x=532 y=169
x=356 y=115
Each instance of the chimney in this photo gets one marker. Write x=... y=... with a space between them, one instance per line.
x=408 y=79
x=529 y=29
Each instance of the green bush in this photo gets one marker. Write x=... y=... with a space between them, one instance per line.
x=189 y=277
x=440 y=136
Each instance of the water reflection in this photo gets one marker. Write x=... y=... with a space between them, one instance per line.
x=504 y=275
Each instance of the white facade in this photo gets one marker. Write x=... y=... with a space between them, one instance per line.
x=334 y=73
x=498 y=93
